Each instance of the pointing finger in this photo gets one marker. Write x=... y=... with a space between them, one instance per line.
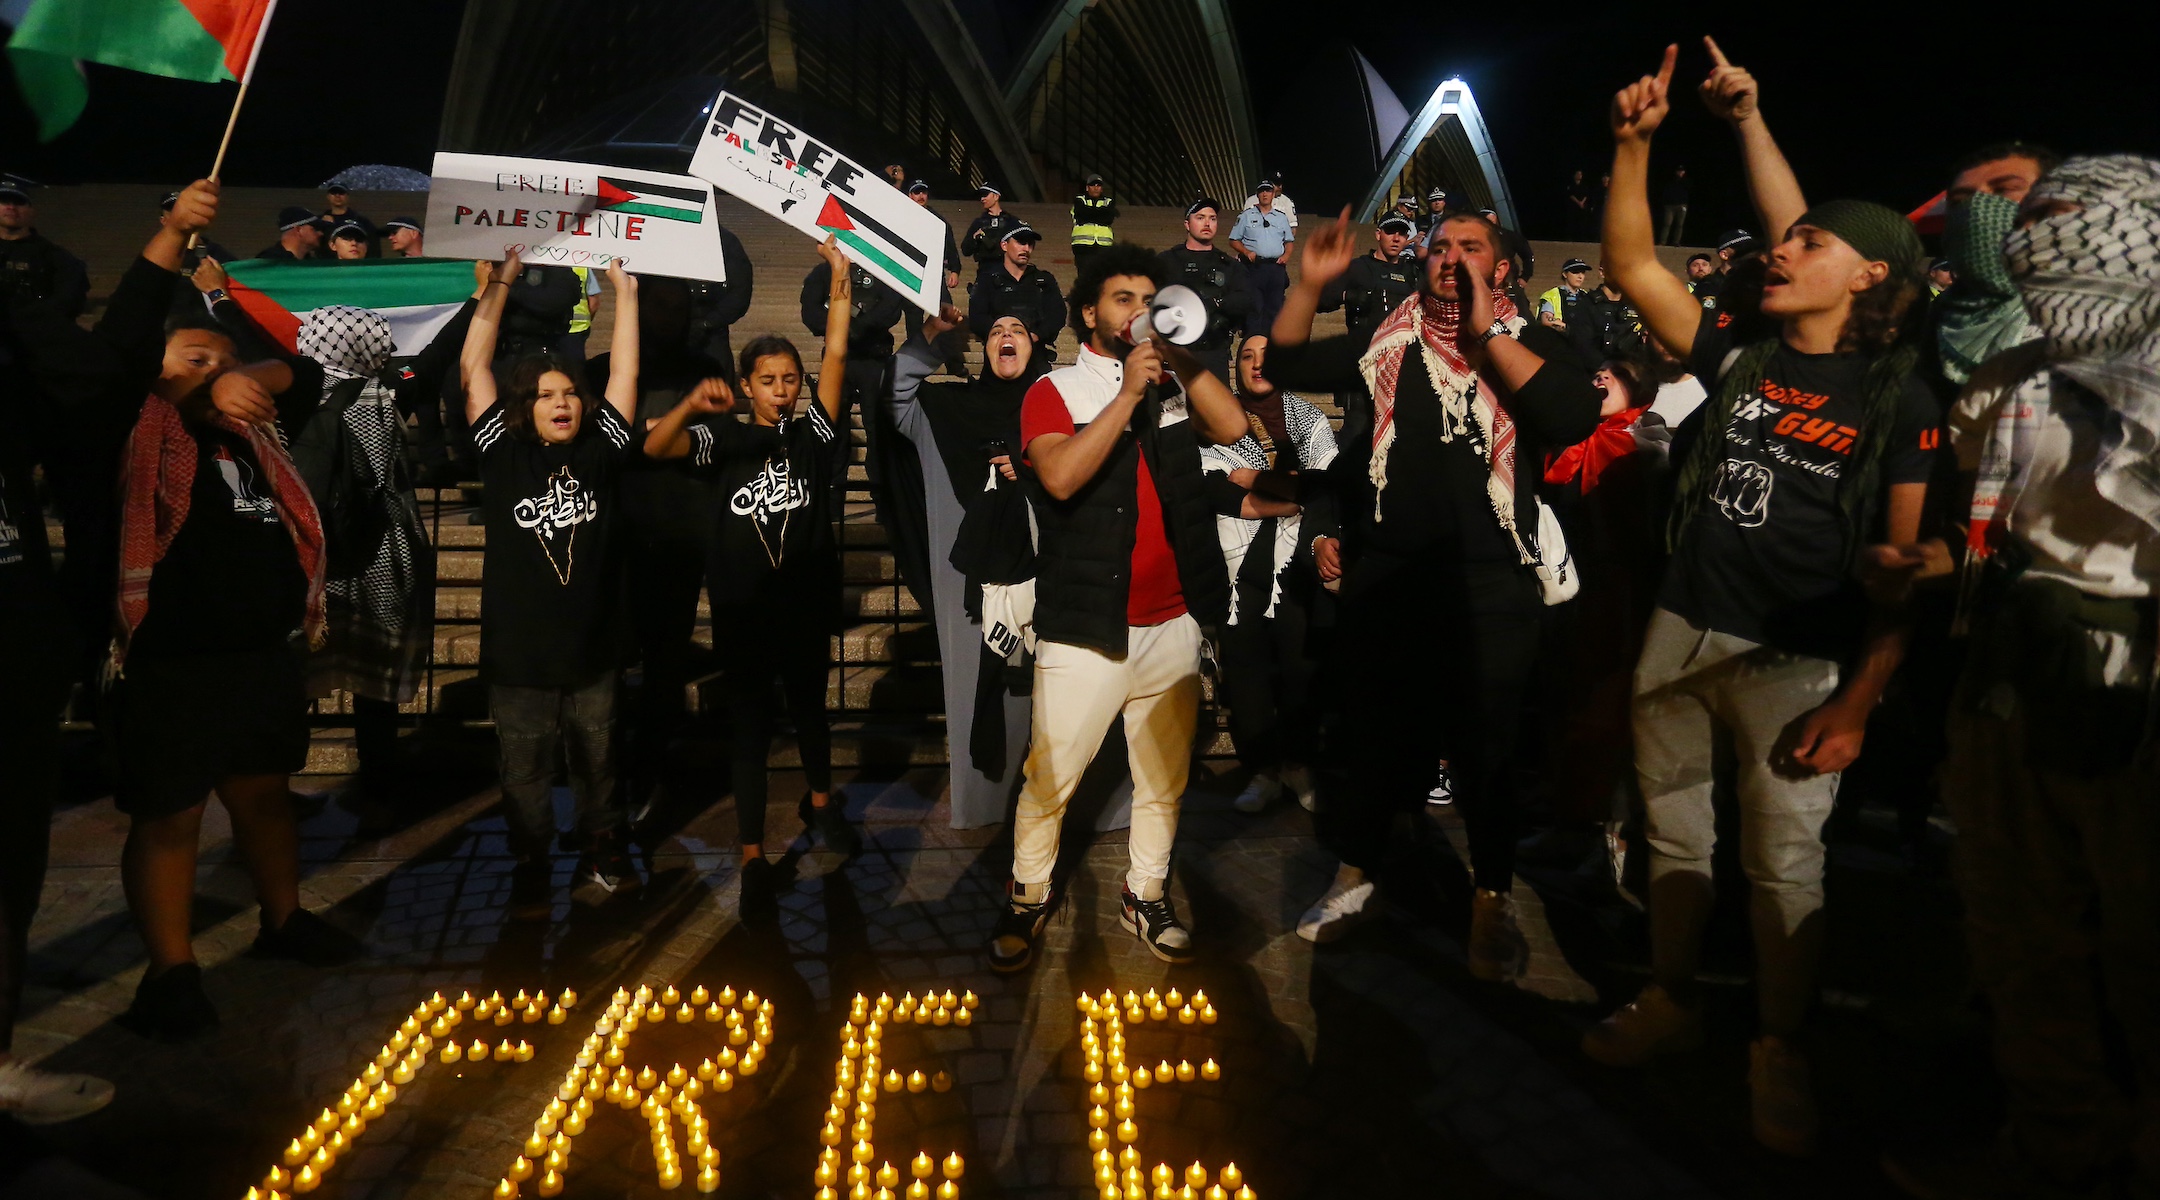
x=1717 y=56
x=1665 y=69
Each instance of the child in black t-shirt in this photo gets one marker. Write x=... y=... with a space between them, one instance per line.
x=773 y=573
x=551 y=600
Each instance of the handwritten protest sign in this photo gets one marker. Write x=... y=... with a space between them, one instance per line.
x=750 y=153
x=573 y=215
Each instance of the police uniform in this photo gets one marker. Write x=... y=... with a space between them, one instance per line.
x=876 y=309
x=1370 y=289
x=1266 y=235
x=1034 y=297
x=985 y=238
x=1220 y=279
x=1092 y=218
x=36 y=272
x=1562 y=302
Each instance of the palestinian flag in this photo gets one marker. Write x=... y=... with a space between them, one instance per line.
x=418 y=295
x=665 y=200
x=862 y=233
x=202 y=40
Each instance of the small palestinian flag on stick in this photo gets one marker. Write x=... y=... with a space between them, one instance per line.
x=667 y=201
x=862 y=233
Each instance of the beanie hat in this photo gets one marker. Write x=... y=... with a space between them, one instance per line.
x=1879 y=234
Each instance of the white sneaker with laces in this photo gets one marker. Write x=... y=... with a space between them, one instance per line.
x=37 y=1097
x=1260 y=791
x=1346 y=905
x=1300 y=781
x=1443 y=791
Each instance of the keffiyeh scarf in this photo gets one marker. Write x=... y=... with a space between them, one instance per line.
x=157 y=481
x=1980 y=316
x=349 y=342
x=2091 y=281
x=1434 y=327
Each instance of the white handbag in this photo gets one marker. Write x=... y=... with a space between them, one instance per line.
x=1558 y=580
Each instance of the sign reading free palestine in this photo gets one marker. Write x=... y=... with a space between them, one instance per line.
x=569 y=214
x=750 y=153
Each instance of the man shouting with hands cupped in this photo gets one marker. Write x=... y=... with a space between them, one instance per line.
x=1441 y=602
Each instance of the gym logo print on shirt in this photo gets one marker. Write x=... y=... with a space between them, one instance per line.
x=240 y=479
x=561 y=509
x=1742 y=491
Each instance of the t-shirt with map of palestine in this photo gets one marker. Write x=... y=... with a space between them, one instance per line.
x=551 y=587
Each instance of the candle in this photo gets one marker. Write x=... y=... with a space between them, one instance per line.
x=1185 y=1074
x=477 y=1051
x=948 y=1190
x=465 y=1001
x=504 y=1016
x=943 y=1015
x=1245 y=1193
x=1141 y=1079
x=524 y=1050
x=1158 y=1011
x=551 y=1184
x=451 y=1052
x=1127 y=1132
x=295 y=1154
x=504 y=1051
x=1207 y=1015
x=941 y=1082
x=646 y=1077
x=305 y=1179
x=521 y=1169
x=918 y=1190
x=1231 y=1178
x=1187 y=1015
x=708 y=1179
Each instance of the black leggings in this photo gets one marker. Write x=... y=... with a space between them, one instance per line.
x=1434 y=660
x=1267 y=683
x=758 y=647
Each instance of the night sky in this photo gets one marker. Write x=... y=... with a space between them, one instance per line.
x=1872 y=100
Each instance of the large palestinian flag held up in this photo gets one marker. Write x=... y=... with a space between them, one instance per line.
x=202 y=40
x=418 y=295
x=807 y=184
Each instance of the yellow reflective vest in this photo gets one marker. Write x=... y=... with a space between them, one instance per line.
x=1091 y=220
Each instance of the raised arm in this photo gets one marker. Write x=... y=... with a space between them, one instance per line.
x=191 y=214
x=1630 y=244
x=1730 y=92
x=622 y=384
x=839 y=307
x=670 y=436
x=1326 y=255
x=476 y=366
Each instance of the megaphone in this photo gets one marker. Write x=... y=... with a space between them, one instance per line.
x=1177 y=314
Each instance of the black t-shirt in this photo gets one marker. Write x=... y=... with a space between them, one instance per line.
x=1768 y=556
x=551 y=590
x=231 y=581
x=772 y=538
x=663 y=501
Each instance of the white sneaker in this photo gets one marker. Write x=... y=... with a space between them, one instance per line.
x=1260 y=791
x=1651 y=1024
x=1782 y=1097
x=1347 y=904
x=1300 y=782
x=1443 y=791
x=37 y=1097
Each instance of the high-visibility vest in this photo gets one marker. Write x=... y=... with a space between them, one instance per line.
x=1090 y=233
x=581 y=316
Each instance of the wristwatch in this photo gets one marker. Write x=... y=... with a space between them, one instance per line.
x=1499 y=329
x=215 y=296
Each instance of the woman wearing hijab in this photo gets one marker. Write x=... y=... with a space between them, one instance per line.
x=1259 y=485
x=965 y=434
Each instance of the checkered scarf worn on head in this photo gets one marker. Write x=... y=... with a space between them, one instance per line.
x=349 y=342
x=1466 y=410
x=157 y=482
x=2091 y=281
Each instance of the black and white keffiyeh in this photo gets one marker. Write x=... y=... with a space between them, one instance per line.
x=349 y=342
x=2090 y=276
x=1314 y=442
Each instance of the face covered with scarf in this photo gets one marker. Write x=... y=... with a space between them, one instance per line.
x=1980 y=316
x=2087 y=262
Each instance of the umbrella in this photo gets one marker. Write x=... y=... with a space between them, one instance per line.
x=375 y=177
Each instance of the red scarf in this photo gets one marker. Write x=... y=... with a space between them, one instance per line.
x=157 y=479
x=1466 y=409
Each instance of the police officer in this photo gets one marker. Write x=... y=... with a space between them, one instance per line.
x=1093 y=213
x=1556 y=306
x=985 y=238
x=715 y=307
x=919 y=192
x=1435 y=208
x=1604 y=325
x=1217 y=276
x=299 y=236
x=877 y=308
x=403 y=237
x=1262 y=238
x=34 y=271
x=1018 y=288
x=1376 y=285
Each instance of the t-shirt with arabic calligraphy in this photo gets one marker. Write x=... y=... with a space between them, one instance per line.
x=772 y=539
x=551 y=585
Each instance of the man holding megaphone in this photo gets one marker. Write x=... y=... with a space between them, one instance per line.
x=1128 y=571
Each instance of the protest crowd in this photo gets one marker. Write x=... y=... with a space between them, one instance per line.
x=1585 y=558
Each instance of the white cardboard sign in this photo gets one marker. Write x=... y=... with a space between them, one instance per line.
x=568 y=214
x=786 y=172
